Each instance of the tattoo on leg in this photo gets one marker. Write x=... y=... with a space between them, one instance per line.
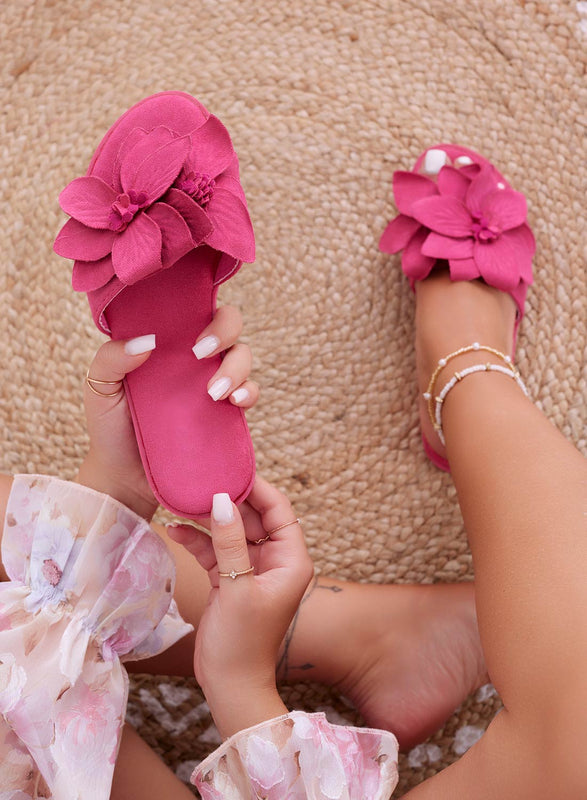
x=283 y=665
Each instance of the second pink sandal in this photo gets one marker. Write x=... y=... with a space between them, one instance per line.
x=157 y=224
x=456 y=208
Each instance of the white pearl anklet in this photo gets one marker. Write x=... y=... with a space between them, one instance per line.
x=429 y=393
x=458 y=376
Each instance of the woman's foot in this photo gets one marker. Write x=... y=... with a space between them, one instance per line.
x=454 y=314
x=406 y=656
x=459 y=218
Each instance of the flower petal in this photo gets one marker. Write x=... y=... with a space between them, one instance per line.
x=136 y=136
x=505 y=208
x=176 y=239
x=232 y=170
x=485 y=183
x=156 y=172
x=471 y=170
x=77 y=241
x=526 y=241
x=231 y=185
x=90 y=275
x=409 y=187
x=463 y=269
x=453 y=182
x=503 y=261
x=233 y=231
x=445 y=215
x=136 y=252
x=415 y=265
x=212 y=151
x=193 y=215
x=88 y=200
x=446 y=247
x=398 y=233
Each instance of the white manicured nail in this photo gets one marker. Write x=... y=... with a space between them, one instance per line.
x=205 y=346
x=240 y=395
x=222 y=510
x=219 y=387
x=435 y=161
x=140 y=344
x=463 y=161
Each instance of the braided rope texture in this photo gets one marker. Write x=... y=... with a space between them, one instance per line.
x=324 y=100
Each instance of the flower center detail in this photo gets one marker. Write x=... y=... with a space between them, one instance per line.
x=199 y=186
x=124 y=208
x=483 y=232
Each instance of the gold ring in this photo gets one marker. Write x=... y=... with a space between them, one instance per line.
x=90 y=381
x=234 y=574
x=296 y=521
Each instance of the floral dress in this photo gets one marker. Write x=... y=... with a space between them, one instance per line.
x=301 y=756
x=91 y=585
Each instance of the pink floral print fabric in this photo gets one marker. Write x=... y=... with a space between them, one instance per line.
x=91 y=586
x=301 y=757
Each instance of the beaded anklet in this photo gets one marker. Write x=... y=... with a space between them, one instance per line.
x=435 y=405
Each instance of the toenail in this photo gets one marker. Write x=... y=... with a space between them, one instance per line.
x=463 y=161
x=434 y=161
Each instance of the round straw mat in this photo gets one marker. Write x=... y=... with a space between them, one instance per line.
x=324 y=100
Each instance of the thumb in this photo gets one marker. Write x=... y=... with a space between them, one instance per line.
x=228 y=539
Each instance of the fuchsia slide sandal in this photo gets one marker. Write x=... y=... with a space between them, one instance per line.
x=158 y=222
x=455 y=207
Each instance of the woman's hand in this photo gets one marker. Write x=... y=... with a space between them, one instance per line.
x=113 y=464
x=246 y=618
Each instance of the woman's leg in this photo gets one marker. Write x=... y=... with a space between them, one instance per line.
x=523 y=493
x=406 y=656
x=141 y=775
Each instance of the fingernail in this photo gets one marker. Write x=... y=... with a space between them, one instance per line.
x=240 y=395
x=222 y=510
x=140 y=344
x=434 y=161
x=205 y=346
x=219 y=387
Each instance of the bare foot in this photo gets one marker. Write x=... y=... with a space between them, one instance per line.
x=451 y=315
x=406 y=656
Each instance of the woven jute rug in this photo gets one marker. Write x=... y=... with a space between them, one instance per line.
x=324 y=100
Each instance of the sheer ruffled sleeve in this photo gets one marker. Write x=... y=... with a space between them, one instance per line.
x=91 y=585
x=301 y=757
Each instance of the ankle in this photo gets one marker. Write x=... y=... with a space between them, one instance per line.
x=451 y=315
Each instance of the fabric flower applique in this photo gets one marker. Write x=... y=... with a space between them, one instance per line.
x=166 y=197
x=469 y=217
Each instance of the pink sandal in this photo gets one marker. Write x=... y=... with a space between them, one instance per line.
x=469 y=217
x=158 y=222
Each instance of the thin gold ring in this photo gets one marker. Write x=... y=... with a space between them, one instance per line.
x=90 y=381
x=296 y=521
x=234 y=574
